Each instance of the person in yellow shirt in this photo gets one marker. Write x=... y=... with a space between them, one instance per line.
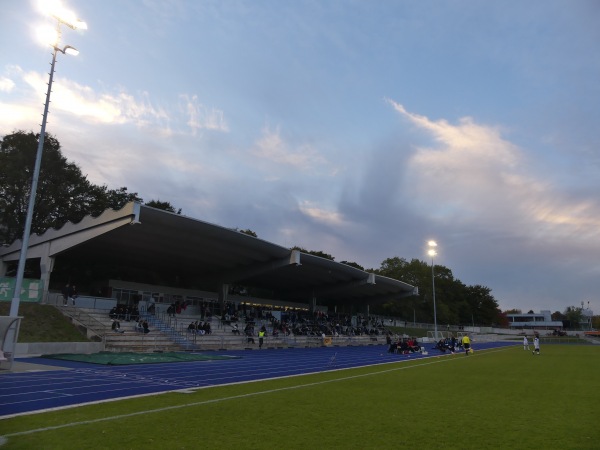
x=466 y=342
x=261 y=336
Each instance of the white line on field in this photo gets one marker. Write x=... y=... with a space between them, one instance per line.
x=234 y=397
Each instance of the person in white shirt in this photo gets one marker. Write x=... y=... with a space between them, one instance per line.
x=536 y=346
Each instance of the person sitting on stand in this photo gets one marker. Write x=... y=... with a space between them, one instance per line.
x=139 y=326
x=116 y=326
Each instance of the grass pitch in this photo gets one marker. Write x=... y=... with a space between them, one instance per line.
x=494 y=399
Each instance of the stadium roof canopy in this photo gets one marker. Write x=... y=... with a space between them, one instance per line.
x=183 y=248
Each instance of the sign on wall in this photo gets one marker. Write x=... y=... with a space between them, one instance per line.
x=31 y=290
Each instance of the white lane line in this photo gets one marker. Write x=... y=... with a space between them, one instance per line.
x=427 y=362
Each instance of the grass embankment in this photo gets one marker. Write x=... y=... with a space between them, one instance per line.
x=44 y=323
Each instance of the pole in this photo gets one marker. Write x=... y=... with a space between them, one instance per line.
x=435 y=329
x=14 y=306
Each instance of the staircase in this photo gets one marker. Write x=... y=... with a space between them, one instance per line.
x=98 y=325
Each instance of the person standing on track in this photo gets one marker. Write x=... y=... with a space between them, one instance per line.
x=525 y=343
x=261 y=336
x=466 y=342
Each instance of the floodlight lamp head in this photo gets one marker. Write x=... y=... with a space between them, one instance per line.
x=68 y=18
x=68 y=50
x=81 y=25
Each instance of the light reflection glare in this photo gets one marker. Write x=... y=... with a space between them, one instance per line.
x=47 y=35
x=55 y=8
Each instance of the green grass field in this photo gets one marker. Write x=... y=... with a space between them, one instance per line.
x=496 y=399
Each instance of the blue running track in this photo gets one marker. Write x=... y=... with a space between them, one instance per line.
x=81 y=383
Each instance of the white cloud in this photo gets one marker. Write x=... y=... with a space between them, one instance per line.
x=271 y=147
x=105 y=108
x=6 y=84
x=474 y=175
x=14 y=117
x=82 y=101
x=201 y=117
x=330 y=218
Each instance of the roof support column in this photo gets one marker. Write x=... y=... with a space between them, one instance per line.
x=223 y=293
x=46 y=267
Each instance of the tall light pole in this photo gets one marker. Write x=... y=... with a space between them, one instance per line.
x=431 y=252
x=73 y=24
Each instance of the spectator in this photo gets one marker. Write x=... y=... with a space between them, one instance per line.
x=116 y=326
x=145 y=326
x=65 y=293
x=135 y=314
x=139 y=326
x=73 y=294
x=171 y=310
x=249 y=331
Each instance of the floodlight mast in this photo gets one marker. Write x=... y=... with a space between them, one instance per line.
x=14 y=306
x=431 y=252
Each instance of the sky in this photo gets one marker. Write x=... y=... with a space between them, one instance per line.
x=362 y=129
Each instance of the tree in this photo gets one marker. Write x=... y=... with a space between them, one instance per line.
x=249 y=232
x=165 y=206
x=455 y=302
x=104 y=198
x=314 y=252
x=352 y=264
x=63 y=193
x=483 y=305
x=416 y=273
x=574 y=315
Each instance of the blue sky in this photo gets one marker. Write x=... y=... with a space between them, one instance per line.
x=358 y=128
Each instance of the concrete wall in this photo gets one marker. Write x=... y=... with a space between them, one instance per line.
x=83 y=301
x=48 y=348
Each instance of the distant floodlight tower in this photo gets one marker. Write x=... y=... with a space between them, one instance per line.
x=431 y=252
x=66 y=18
